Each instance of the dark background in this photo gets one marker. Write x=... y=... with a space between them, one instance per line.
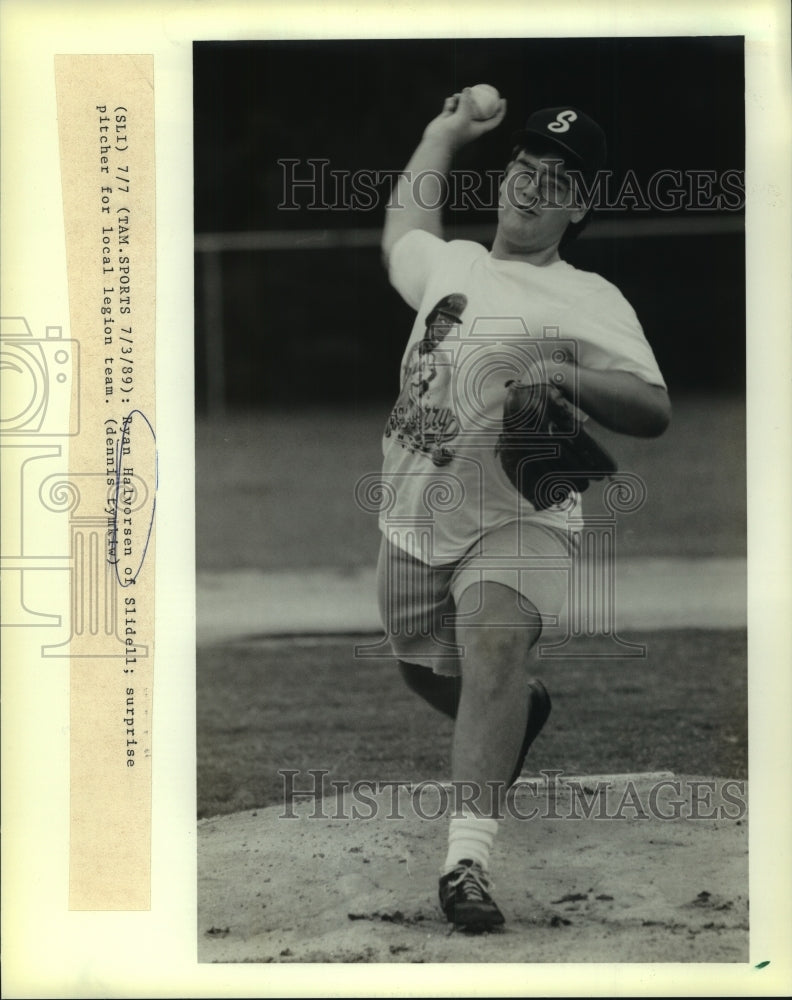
x=324 y=324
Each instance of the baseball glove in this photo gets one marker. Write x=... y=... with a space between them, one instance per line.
x=543 y=449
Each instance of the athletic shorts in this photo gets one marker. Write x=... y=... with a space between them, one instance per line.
x=417 y=602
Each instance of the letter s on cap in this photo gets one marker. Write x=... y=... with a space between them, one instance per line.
x=562 y=121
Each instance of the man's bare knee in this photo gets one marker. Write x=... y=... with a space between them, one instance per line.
x=495 y=644
x=492 y=666
x=495 y=622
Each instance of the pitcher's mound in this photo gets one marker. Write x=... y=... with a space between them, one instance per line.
x=642 y=868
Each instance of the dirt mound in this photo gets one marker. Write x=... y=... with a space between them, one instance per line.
x=601 y=869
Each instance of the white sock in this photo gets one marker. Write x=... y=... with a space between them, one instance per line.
x=470 y=837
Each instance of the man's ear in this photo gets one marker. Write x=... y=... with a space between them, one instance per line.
x=578 y=214
x=579 y=207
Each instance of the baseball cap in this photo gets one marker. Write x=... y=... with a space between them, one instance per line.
x=451 y=306
x=571 y=131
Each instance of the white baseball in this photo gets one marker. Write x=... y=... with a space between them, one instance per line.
x=486 y=99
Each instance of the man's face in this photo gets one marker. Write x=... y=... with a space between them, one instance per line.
x=536 y=201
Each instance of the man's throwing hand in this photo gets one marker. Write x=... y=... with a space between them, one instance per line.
x=458 y=123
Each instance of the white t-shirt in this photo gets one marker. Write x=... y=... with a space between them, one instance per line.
x=477 y=321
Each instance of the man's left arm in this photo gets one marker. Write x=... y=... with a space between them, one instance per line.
x=618 y=400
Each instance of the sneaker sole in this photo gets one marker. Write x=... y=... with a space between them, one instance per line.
x=473 y=921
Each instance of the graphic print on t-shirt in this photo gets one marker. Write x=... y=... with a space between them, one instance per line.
x=422 y=421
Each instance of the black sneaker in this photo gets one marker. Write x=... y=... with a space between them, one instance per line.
x=539 y=706
x=465 y=899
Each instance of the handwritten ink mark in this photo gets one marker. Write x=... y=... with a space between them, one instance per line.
x=130 y=574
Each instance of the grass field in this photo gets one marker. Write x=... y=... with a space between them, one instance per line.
x=303 y=704
x=275 y=490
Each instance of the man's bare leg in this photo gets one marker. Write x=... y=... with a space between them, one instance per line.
x=497 y=629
